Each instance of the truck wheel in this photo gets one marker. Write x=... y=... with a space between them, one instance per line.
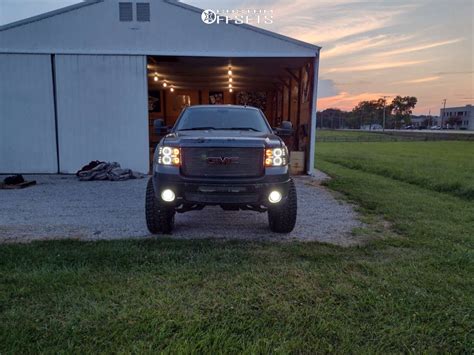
x=159 y=218
x=282 y=218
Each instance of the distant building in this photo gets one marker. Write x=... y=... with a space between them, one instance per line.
x=422 y=121
x=458 y=117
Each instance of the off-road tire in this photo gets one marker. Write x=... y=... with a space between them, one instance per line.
x=282 y=217
x=159 y=218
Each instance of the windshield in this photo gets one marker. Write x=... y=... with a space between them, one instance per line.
x=222 y=118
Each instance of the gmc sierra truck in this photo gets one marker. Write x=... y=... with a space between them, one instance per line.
x=221 y=155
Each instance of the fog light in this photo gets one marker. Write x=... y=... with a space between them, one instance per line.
x=274 y=197
x=168 y=195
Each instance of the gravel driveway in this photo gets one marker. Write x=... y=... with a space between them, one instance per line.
x=63 y=207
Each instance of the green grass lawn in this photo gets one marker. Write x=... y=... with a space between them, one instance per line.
x=444 y=166
x=409 y=290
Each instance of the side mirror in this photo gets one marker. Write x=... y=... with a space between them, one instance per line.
x=287 y=125
x=159 y=127
x=285 y=129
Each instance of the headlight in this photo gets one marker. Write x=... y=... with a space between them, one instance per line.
x=276 y=156
x=169 y=156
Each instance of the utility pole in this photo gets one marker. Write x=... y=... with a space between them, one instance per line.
x=444 y=110
x=384 y=101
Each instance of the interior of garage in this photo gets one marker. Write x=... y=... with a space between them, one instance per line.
x=280 y=87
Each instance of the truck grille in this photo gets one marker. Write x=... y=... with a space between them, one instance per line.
x=222 y=162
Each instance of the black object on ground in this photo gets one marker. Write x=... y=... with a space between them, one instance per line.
x=107 y=171
x=89 y=166
x=16 y=182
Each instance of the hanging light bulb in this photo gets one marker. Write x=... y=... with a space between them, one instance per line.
x=229 y=71
x=165 y=84
x=155 y=78
x=230 y=86
x=230 y=90
x=230 y=80
x=172 y=89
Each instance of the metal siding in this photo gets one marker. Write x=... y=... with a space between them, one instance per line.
x=102 y=110
x=27 y=128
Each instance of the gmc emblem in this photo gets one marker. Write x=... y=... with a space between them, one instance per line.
x=222 y=160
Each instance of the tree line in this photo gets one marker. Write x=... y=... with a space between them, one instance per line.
x=397 y=114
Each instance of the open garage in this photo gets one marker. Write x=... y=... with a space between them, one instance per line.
x=72 y=93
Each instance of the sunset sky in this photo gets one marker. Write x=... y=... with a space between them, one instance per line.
x=421 y=48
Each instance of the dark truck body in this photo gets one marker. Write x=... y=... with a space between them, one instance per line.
x=222 y=167
x=229 y=182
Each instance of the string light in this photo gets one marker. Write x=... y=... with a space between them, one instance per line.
x=172 y=89
x=165 y=84
x=230 y=79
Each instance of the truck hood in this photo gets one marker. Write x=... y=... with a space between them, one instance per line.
x=222 y=138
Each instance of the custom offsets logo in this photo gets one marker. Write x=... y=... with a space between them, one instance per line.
x=237 y=16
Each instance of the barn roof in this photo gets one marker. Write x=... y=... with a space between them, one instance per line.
x=93 y=27
x=48 y=14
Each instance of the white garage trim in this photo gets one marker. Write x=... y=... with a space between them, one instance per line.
x=313 y=118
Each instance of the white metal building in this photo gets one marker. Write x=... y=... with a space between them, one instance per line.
x=75 y=83
x=458 y=117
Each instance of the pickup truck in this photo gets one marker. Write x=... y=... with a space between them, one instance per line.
x=221 y=155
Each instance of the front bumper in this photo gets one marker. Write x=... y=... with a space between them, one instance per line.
x=223 y=191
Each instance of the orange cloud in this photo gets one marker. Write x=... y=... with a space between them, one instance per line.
x=421 y=80
x=375 y=66
x=346 y=101
x=350 y=47
x=421 y=47
x=326 y=21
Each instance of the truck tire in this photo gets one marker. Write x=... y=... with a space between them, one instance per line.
x=282 y=217
x=159 y=218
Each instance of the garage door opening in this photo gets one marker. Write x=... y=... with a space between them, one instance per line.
x=281 y=87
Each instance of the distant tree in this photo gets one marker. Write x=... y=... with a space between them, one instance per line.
x=454 y=121
x=352 y=120
x=370 y=112
x=402 y=108
x=333 y=118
